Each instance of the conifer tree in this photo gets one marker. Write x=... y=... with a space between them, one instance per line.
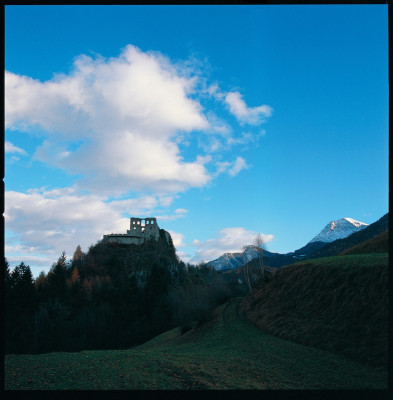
x=77 y=258
x=57 y=278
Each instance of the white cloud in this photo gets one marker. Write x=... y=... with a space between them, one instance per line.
x=127 y=111
x=222 y=167
x=36 y=263
x=179 y=213
x=10 y=148
x=44 y=223
x=178 y=242
x=118 y=124
x=239 y=164
x=250 y=115
x=177 y=238
x=135 y=89
x=229 y=240
x=129 y=114
x=232 y=168
x=246 y=138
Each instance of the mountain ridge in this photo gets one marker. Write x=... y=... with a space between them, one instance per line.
x=357 y=232
x=338 y=229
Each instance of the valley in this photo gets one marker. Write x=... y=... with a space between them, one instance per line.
x=318 y=323
x=228 y=353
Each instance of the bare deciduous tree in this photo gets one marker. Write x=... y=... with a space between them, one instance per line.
x=258 y=243
x=246 y=268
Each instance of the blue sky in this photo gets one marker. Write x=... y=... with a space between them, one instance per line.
x=222 y=121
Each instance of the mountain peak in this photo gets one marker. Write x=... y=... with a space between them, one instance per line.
x=234 y=260
x=338 y=229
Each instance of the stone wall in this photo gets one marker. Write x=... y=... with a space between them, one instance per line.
x=141 y=229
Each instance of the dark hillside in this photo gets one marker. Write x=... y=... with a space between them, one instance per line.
x=309 y=248
x=113 y=297
x=121 y=261
x=277 y=260
x=336 y=303
x=225 y=353
x=378 y=244
x=338 y=246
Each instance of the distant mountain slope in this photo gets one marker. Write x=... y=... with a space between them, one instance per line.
x=338 y=229
x=339 y=245
x=277 y=260
x=234 y=260
x=336 y=303
x=309 y=248
x=378 y=244
x=226 y=261
x=352 y=232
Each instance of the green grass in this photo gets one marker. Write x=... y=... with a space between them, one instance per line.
x=225 y=353
x=337 y=303
x=377 y=244
x=352 y=260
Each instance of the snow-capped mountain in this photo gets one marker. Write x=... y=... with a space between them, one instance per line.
x=234 y=260
x=339 y=229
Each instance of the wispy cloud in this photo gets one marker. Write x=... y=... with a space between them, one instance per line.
x=232 y=168
x=240 y=164
x=10 y=148
x=178 y=213
x=249 y=115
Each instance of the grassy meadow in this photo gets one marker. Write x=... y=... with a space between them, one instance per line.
x=228 y=352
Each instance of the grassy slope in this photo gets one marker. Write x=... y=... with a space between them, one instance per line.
x=378 y=244
x=226 y=353
x=335 y=303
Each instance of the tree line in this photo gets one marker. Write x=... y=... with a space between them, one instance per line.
x=112 y=297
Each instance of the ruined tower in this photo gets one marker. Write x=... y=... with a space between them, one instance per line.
x=144 y=227
x=141 y=229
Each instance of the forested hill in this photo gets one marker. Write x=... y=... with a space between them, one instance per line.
x=112 y=297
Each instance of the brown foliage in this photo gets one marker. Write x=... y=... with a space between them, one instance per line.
x=75 y=278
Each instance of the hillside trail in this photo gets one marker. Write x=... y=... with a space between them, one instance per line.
x=239 y=311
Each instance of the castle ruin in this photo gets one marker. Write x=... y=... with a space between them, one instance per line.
x=141 y=229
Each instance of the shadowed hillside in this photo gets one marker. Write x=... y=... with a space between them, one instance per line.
x=336 y=303
x=227 y=352
x=378 y=244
